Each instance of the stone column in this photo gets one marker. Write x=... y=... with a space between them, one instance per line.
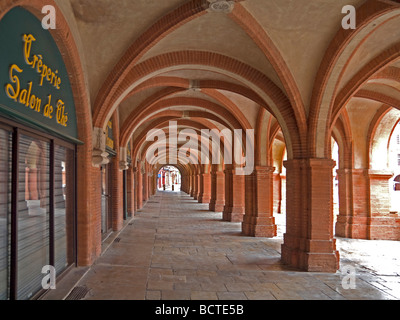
x=259 y=220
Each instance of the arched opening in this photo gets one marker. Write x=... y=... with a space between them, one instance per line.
x=335 y=182
x=169 y=178
x=394 y=166
x=279 y=154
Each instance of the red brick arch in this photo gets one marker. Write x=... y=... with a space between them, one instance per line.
x=342 y=134
x=159 y=30
x=330 y=72
x=63 y=36
x=256 y=32
x=367 y=72
x=386 y=131
x=192 y=160
x=161 y=122
x=140 y=114
x=379 y=97
x=257 y=81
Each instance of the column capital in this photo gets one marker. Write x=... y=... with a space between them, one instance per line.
x=99 y=153
x=264 y=169
x=310 y=162
x=382 y=174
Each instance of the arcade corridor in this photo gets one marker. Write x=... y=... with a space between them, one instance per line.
x=199 y=149
x=175 y=249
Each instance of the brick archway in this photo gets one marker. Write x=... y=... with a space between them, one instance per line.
x=88 y=248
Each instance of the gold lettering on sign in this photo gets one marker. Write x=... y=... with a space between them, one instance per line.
x=48 y=109
x=11 y=92
x=46 y=73
x=25 y=96
x=62 y=117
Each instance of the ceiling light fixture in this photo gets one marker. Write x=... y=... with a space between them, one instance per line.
x=221 y=6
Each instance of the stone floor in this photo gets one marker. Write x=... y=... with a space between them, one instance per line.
x=175 y=249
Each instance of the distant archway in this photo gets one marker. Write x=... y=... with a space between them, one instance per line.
x=169 y=178
x=394 y=166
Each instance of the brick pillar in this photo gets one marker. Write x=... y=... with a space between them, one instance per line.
x=130 y=192
x=190 y=184
x=234 y=196
x=186 y=183
x=197 y=195
x=152 y=185
x=194 y=185
x=197 y=185
x=259 y=220
x=228 y=192
x=277 y=198
x=145 y=183
x=364 y=211
x=217 y=201
x=353 y=203
x=183 y=184
x=139 y=189
x=205 y=188
x=382 y=224
x=308 y=242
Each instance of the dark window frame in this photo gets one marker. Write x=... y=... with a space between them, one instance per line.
x=16 y=129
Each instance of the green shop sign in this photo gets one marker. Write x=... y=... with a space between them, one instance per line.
x=35 y=87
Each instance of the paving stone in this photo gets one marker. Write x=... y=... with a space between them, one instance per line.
x=153 y=295
x=213 y=286
x=175 y=295
x=239 y=286
x=231 y=296
x=204 y=295
x=260 y=295
x=179 y=250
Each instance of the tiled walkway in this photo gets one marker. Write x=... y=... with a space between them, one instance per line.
x=176 y=249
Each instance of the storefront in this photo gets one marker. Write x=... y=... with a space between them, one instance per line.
x=38 y=139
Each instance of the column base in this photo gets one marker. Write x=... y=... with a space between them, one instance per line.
x=259 y=227
x=204 y=198
x=369 y=228
x=216 y=207
x=233 y=214
x=310 y=255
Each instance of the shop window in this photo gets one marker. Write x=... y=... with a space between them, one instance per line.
x=64 y=175
x=5 y=211
x=33 y=214
x=37 y=210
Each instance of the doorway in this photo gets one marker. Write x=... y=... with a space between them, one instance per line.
x=106 y=201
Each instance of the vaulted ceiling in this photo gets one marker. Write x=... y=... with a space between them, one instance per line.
x=257 y=54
